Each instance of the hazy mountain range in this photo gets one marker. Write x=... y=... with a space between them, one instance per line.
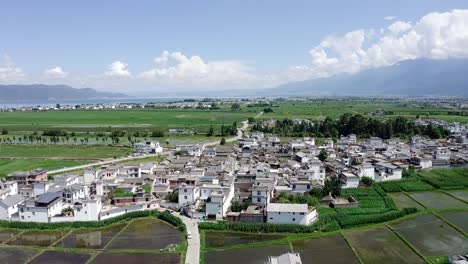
x=422 y=77
x=31 y=92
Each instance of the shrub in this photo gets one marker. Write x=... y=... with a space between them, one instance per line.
x=164 y=216
x=366 y=181
x=356 y=220
x=257 y=227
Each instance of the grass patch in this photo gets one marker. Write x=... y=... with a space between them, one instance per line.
x=62 y=151
x=11 y=165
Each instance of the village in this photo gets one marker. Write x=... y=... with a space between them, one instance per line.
x=247 y=181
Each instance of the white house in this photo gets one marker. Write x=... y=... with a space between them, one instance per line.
x=42 y=209
x=188 y=194
x=9 y=206
x=191 y=149
x=365 y=170
x=88 y=210
x=260 y=195
x=385 y=171
x=349 y=180
x=442 y=153
x=148 y=147
x=291 y=214
x=288 y=258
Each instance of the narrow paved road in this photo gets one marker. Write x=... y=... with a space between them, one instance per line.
x=193 y=248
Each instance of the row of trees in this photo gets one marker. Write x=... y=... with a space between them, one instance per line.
x=353 y=124
x=225 y=130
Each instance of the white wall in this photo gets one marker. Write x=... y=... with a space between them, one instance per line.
x=303 y=218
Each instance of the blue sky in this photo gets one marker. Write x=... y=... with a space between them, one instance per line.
x=263 y=39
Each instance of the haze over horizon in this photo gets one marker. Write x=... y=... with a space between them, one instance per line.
x=155 y=47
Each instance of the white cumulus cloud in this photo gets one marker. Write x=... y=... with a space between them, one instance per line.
x=55 y=72
x=179 y=68
x=389 y=18
x=119 y=69
x=434 y=36
x=9 y=72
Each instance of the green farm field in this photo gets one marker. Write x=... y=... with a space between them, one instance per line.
x=60 y=151
x=94 y=120
x=9 y=166
x=318 y=110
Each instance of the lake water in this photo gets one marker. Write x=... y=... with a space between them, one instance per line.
x=17 y=104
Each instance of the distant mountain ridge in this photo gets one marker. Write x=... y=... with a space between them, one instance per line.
x=421 y=77
x=20 y=92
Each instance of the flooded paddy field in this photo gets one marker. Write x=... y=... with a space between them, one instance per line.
x=437 y=200
x=460 y=194
x=431 y=236
x=225 y=239
x=146 y=234
x=6 y=235
x=15 y=255
x=459 y=219
x=256 y=255
x=114 y=258
x=381 y=245
x=329 y=249
x=55 y=257
x=403 y=201
x=91 y=238
x=37 y=238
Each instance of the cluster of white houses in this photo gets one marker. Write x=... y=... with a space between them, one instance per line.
x=204 y=182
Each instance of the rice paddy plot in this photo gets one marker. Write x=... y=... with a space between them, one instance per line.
x=437 y=200
x=329 y=249
x=431 y=236
x=146 y=234
x=120 y=258
x=91 y=238
x=459 y=219
x=37 y=238
x=255 y=255
x=403 y=201
x=56 y=257
x=460 y=194
x=15 y=255
x=225 y=239
x=6 y=235
x=381 y=245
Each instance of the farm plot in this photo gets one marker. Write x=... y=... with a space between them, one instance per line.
x=6 y=235
x=146 y=234
x=459 y=219
x=437 y=200
x=431 y=236
x=63 y=151
x=119 y=258
x=460 y=194
x=403 y=201
x=225 y=239
x=330 y=249
x=370 y=242
x=256 y=255
x=55 y=257
x=455 y=178
x=89 y=238
x=37 y=238
x=406 y=185
x=16 y=255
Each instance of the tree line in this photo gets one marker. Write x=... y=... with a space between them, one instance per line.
x=358 y=124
